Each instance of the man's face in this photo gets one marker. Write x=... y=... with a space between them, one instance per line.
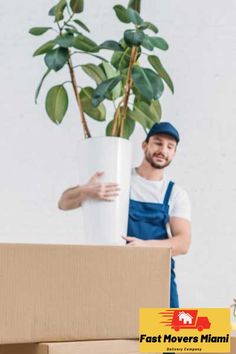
x=160 y=150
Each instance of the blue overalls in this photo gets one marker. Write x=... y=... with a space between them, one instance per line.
x=147 y=221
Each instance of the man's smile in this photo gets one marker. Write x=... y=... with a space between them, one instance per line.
x=160 y=157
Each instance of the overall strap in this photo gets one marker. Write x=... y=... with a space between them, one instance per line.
x=168 y=192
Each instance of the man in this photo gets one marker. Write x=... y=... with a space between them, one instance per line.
x=159 y=210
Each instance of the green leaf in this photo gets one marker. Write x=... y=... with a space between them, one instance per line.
x=60 y=7
x=37 y=31
x=56 y=103
x=104 y=88
x=46 y=47
x=135 y=4
x=129 y=125
x=65 y=40
x=109 y=128
x=95 y=72
x=156 y=83
x=133 y=38
x=84 y=43
x=152 y=111
x=122 y=13
x=113 y=45
x=148 y=25
x=159 y=42
x=98 y=113
x=56 y=58
x=110 y=73
x=141 y=114
x=109 y=70
x=142 y=106
x=59 y=16
x=155 y=111
x=58 y=10
x=99 y=57
x=157 y=65
x=134 y=17
x=147 y=82
x=146 y=43
x=77 y=6
x=138 y=96
x=142 y=83
x=82 y=25
x=121 y=60
x=40 y=85
x=138 y=117
x=124 y=74
x=52 y=12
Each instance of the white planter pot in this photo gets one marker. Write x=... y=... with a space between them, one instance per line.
x=106 y=221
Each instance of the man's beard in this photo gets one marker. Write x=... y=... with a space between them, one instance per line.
x=154 y=164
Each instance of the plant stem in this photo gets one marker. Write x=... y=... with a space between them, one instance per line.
x=59 y=27
x=66 y=82
x=128 y=86
x=68 y=9
x=116 y=119
x=67 y=21
x=77 y=66
x=74 y=84
x=93 y=55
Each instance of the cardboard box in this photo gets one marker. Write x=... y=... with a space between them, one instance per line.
x=73 y=292
x=85 y=347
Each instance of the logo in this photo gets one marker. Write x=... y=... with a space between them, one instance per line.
x=185 y=330
x=185 y=319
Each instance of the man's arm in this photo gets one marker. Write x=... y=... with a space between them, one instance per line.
x=74 y=197
x=179 y=242
x=181 y=235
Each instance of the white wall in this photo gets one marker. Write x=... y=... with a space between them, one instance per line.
x=38 y=158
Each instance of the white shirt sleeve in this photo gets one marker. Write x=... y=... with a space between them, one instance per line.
x=180 y=204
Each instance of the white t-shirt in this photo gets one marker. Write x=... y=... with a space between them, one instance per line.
x=144 y=190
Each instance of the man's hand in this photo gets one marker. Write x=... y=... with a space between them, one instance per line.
x=102 y=191
x=134 y=241
x=74 y=197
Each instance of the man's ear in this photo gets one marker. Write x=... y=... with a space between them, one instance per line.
x=144 y=144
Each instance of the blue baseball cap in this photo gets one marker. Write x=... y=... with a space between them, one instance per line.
x=164 y=128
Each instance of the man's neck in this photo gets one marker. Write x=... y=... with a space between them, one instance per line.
x=145 y=170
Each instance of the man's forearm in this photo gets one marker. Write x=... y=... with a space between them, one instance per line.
x=176 y=243
x=72 y=198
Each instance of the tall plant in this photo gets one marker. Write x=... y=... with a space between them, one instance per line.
x=133 y=89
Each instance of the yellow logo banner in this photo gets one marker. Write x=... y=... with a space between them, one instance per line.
x=185 y=330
